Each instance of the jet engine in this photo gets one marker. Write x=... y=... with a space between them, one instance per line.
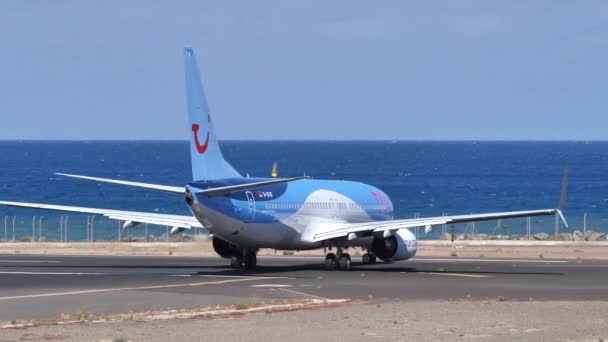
x=225 y=249
x=401 y=245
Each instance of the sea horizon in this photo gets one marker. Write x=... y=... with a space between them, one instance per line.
x=423 y=178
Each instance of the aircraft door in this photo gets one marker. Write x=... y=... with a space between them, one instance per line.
x=250 y=206
x=333 y=203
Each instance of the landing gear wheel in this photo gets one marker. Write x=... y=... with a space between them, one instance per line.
x=345 y=263
x=330 y=261
x=339 y=253
x=236 y=262
x=250 y=260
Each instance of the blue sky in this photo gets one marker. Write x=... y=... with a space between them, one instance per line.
x=441 y=70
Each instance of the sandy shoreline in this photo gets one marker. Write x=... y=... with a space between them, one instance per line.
x=490 y=249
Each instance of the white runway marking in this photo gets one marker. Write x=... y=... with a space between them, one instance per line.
x=52 y=273
x=272 y=285
x=119 y=273
x=290 y=257
x=226 y=276
x=497 y=260
x=573 y=265
x=138 y=288
x=32 y=261
x=301 y=294
x=455 y=274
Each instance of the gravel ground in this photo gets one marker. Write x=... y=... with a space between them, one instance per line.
x=397 y=321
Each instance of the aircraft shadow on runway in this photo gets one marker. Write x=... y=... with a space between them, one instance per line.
x=272 y=269
x=222 y=270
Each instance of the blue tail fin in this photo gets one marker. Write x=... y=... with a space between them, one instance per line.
x=206 y=157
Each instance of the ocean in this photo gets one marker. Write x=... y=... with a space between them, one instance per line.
x=422 y=178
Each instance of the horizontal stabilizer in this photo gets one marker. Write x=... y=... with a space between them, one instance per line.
x=158 y=187
x=213 y=192
x=224 y=190
x=135 y=217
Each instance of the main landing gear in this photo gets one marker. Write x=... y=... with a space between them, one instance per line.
x=247 y=259
x=342 y=261
x=368 y=259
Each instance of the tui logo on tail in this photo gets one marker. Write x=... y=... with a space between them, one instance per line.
x=195 y=128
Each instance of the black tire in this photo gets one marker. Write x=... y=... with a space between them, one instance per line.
x=345 y=262
x=366 y=259
x=250 y=260
x=236 y=262
x=374 y=259
x=330 y=261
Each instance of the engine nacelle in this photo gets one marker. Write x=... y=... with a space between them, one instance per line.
x=401 y=245
x=176 y=230
x=130 y=224
x=225 y=249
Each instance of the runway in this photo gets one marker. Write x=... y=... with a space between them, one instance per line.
x=40 y=287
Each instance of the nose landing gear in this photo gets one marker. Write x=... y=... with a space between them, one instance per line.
x=236 y=262
x=247 y=259
x=250 y=260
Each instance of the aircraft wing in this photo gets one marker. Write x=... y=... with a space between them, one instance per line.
x=180 y=221
x=344 y=230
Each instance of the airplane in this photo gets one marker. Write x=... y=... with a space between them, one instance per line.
x=245 y=214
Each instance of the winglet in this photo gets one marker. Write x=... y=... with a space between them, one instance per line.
x=561 y=216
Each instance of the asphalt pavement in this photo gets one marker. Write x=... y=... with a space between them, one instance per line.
x=40 y=287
